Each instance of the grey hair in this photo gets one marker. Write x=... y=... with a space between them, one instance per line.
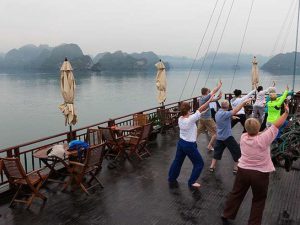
x=224 y=104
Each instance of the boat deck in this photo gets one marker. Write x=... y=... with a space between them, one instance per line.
x=137 y=192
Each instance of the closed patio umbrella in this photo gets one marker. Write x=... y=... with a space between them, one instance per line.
x=255 y=75
x=67 y=86
x=161 y=82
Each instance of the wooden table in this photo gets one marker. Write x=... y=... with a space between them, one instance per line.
x=126 y=128
x=52 y=161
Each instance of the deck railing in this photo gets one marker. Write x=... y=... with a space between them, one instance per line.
x=25 y=151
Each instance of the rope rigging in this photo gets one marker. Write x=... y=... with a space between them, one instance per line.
x=288 y=31
x=216 y=52
x=205 y=56
x=238 y=59
x=206 y=29
x=295 y=60
x=284 y=33
x=282 y=28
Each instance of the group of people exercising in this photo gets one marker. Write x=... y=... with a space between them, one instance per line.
x=252 y=157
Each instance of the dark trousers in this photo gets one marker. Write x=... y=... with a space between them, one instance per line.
x=259 y=182
x=242 y=119
x=185 y=148
x=263 y=125
x=232 y=146
x=213 y=114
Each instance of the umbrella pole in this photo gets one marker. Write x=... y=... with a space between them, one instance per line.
x=70 y=134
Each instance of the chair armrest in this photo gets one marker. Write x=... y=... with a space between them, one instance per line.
x=37 y=172
x=120 y=137
x=133 y=137
x=76 y=163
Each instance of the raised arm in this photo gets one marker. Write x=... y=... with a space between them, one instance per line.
x=218 y=97
x=240 y=106
x=283 y=117
x=216 y=89
x=283 y=97
x=249 y=95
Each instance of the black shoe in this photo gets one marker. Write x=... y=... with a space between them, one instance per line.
x=173 y=184
x=225 y=221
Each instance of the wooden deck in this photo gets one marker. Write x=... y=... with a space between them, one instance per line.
x=138 y=193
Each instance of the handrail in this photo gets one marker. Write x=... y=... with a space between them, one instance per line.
x=83 y=128
x=25 y=150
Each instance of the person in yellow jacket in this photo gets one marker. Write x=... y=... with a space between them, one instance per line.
x=274 y=108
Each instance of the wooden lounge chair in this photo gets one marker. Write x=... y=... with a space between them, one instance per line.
x=17 y=176
x=137 y=144
x=167 y=119
x=114 y=142
x=90 y=167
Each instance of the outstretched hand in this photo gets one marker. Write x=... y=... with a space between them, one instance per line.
x=286 y=108
x=274 y=83
x=287 y=87
x=220 y=83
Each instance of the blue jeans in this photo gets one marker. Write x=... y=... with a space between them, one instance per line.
x=185 y=148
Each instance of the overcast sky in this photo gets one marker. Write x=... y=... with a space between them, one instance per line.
x=171 y=27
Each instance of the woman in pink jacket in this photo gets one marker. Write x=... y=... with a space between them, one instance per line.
x=254 y=168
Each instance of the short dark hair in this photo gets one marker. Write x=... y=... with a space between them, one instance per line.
x=260 y=88
x=204 y=91
x=237 y=92
x=184 y=108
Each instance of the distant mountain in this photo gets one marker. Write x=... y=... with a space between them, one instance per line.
x=177 y=62
x=74 y=53
x=23 y=57
x=1 y=58
x=98 y=57
x=43 y=57
x=225 y=61
x=123 y=61
x=283 y=64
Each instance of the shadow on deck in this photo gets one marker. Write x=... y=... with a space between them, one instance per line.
x=137 y=193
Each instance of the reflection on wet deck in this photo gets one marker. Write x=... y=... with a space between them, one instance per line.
x=138 y=193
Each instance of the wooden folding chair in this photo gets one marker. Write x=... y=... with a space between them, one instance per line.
x=167 y=119
x=115 y=143
x=16 y=175
x=140 y=119
x=137 y=144
x=90 y=167
x=93 y=136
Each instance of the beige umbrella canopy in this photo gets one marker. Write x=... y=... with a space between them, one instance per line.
x=161 y=82
x=67 y=86
x=255 y=75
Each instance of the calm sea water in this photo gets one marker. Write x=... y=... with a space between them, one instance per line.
x=29 y=101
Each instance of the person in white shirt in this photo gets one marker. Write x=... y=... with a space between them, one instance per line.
x=187 y=145
x=238 y=99
x=260 y=102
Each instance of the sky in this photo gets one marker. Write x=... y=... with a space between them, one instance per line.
x=167 y=27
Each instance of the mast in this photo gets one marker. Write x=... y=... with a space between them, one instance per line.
x=296 y=48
